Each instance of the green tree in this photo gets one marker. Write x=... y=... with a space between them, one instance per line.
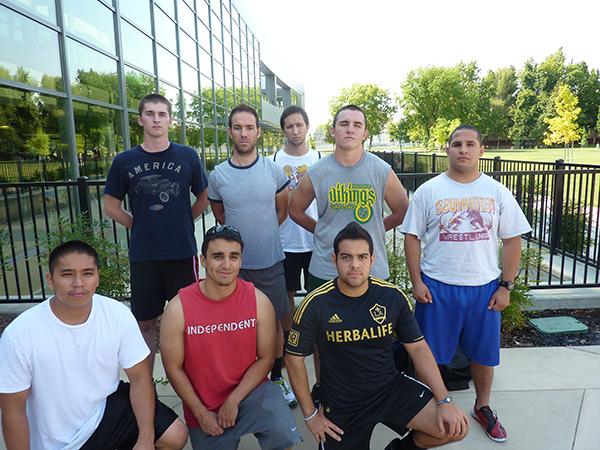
x=433 y=93
x=39 y=143
x=375 y=101
x=440 y=131
x=272 y=139
x=398 y=130
x=563 y=127
x=501 y=88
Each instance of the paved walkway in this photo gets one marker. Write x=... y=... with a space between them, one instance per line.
x=548 y=399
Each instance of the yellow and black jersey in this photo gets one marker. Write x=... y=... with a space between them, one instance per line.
x=355 y=337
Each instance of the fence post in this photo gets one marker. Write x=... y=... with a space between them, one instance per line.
x=402 y=161
x=497 y=167
x=433 y=163
x=557 y=205
x=83 y=197
x=19 y=168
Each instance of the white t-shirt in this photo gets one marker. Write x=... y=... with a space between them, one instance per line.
x=294 y=238
x=459 y=225
x=71 y=369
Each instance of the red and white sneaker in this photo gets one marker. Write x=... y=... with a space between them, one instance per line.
x=490 y=423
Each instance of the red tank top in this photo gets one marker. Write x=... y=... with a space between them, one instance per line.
x=219 y=342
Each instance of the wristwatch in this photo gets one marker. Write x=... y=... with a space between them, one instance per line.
x=443 y=401
x=508 y=285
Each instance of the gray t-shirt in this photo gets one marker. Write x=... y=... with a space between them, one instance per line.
x=345 y=194
x=248 y=196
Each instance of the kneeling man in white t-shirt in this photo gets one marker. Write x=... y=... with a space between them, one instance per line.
x=59 y=377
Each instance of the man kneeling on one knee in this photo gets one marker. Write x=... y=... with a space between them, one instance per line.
x=217 y=342
x=352 y=320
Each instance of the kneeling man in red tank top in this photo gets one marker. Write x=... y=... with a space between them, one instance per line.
x=217 y=343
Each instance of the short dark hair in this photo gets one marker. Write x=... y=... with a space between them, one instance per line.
x=294 y=109
x=354 y=232
x=466 y=127
x=66 y=248
x=226 y=232
x=242 y=107
x=154 y=98
x=351 y=108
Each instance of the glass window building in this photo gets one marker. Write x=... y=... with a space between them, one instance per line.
x=73 y=71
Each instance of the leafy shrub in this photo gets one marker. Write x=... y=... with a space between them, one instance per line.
x=113 y=260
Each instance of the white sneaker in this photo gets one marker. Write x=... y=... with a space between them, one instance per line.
x=287 y=392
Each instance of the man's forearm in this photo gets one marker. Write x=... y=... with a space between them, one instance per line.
x=141 y=394
x=15 y=428
x=198 y=207
x=511 y=257
x=393 y=220
x=121 y=216
x=184 y=389
x=305 y=221
x=255 y=374
x=296 y=369
x=427 y=371
x=412 y=251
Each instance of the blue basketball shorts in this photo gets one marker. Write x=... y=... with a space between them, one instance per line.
x=460 y=315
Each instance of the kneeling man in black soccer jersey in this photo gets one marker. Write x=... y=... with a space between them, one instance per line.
x=353 y=321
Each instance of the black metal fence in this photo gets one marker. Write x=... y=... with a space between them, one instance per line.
x=561 y=205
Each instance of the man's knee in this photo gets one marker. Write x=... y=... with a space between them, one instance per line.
x=175 y=437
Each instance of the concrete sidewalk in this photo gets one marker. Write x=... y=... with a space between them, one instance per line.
x=547 y=398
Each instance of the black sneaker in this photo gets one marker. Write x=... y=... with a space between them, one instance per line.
x=316 y=394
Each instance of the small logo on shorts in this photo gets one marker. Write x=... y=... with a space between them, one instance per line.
x=422 y=393
x=335 y=319
x=293 y=338
x=378 y=313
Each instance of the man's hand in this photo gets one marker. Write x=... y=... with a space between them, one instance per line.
x=227 y=413
x=320 y=426
x=500 y=300
x=452 y=421
x=421 y=293
x=209 y=424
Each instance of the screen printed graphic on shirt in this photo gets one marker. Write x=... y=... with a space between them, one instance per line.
x=465 y=219
x=357 y=197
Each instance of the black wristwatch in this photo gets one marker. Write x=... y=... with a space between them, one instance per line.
x=508 y=285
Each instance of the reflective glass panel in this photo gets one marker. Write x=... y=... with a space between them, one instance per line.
x=189 y=78
x=138 y=11
x=167 y=6
x=42 y=8
x=171 y=93
x=203 y=11
x=137 y=47
x=32 y=125
x=167 y=65
x=166 y=30
x=29 y=51
x=186 y=17
x=93 y=75
x=92 y=21
x=136 y=132
x=98 y=135
x=204 y=37
x=205 y=63
x=187 y=48
x=138 y=85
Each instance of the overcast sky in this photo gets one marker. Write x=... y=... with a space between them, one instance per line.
x=327 y=45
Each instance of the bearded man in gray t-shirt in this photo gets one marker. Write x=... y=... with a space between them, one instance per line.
x=248 y=192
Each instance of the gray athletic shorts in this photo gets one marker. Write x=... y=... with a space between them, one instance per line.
x=271 y=281
x=263 y=413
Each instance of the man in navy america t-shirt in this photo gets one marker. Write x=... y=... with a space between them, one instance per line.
x=157 y=176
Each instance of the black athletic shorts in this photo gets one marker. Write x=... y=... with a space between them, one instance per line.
x=394 y=406
x=118 y=428
x=153 y=283
x=294 y=265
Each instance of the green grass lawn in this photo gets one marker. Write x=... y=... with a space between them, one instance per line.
x=586 y=155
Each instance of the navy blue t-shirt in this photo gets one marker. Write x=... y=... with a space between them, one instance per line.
x=158 y=186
